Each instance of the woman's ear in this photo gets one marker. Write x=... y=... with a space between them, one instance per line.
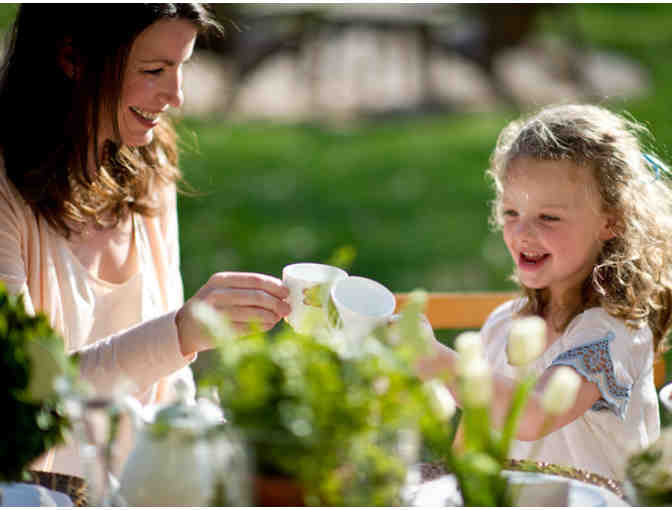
x=66 y=58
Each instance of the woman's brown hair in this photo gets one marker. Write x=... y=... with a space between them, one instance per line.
x=50 y=121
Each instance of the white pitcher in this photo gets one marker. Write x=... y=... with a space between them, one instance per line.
x=185 y=457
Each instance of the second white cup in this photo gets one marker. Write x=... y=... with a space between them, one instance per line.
x=362 y=305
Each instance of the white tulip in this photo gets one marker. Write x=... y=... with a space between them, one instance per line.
x=468 y=345
x=476 y=381
x=561 y=390
x=527 y=340
x=441 y=398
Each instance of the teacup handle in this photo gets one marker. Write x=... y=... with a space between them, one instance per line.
x=334 y=319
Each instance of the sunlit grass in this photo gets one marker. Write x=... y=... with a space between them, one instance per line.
x=410 y=197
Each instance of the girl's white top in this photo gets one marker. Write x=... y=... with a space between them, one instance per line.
x=619 y=360
x=125 y=333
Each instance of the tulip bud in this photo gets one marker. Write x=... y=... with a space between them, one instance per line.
x=561 y=390
x=468 y=345
x=527 y=340
x=441 y=399
x=476 y=381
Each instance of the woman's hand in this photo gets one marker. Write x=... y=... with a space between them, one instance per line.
x=244 y=298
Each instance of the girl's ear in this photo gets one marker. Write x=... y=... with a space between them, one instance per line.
x=610 y=229
x=66 y=58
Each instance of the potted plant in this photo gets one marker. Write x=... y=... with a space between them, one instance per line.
x=648 y=473
x=341 y=425
x=33 y=364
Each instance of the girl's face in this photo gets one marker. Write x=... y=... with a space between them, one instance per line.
x=553 y=224
x=152 y=81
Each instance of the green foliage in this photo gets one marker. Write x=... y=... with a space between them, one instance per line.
x=648 y=473
x=7 y=15
x=34 y=419
x=478 y=468
x=480 y=480
x=478 y=463
x=336 y=419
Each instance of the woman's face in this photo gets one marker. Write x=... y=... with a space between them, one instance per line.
x=152 y=80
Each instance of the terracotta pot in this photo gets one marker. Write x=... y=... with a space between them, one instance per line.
x=277 y=491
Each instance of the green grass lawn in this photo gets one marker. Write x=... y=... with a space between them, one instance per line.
x=407 y=197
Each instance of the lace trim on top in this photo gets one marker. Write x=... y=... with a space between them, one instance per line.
x=593 y=361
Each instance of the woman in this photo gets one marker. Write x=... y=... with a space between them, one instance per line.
x=88 y=223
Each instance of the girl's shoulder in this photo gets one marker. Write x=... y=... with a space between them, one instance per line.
x=606 y=351
x=596 y=322
x=595 y=329
x=498 y=323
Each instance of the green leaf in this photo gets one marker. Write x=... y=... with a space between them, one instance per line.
x=516 y=408
x=45 y=367
x=476 y=423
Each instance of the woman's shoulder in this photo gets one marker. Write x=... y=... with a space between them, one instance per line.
x=5 y=183
x=9 y=195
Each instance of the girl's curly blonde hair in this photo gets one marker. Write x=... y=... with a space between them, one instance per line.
x=632 y=279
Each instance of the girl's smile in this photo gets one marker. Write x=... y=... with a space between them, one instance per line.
x=530 y=261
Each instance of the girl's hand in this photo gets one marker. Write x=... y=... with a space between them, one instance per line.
x=243 y=297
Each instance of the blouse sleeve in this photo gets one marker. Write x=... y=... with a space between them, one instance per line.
x=606 y=352
x=142 y=355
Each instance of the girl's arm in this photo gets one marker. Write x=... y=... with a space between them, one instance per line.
x=535 y=422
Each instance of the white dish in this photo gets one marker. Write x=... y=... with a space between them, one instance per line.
x=664 y=395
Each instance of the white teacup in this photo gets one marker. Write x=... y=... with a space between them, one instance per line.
x=362 y=304
x=309 y=285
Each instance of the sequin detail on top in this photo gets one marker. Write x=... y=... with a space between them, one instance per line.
x=593 y=361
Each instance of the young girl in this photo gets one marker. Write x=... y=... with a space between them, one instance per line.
x=587 y=217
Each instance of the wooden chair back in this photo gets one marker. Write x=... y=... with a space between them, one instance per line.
x=468 y=310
